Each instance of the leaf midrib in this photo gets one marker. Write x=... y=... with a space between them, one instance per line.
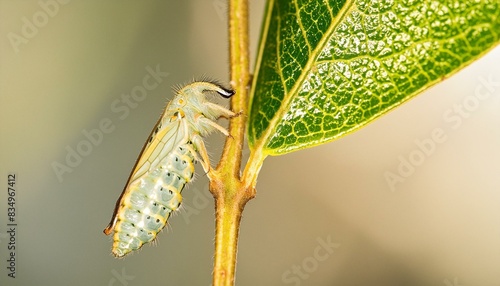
x=287 y=99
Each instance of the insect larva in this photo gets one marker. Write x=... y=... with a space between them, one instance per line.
x=165 y=166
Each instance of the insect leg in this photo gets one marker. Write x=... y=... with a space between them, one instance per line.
x=221 y=111
x=202 y=150
x=205 y=121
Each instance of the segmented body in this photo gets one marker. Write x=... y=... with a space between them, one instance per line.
x=152 y=197
x=165 y=166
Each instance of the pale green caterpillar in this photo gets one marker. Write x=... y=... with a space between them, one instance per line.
x=165 y=165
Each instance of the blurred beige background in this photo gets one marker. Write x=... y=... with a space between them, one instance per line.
x=70 y=74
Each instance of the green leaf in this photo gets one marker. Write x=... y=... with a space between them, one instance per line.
x=327 y=68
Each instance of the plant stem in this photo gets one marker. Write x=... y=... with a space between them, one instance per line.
x=229 y=192
x=228 y=216
x=240 y=80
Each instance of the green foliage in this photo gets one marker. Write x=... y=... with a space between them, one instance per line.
x=327 y=68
